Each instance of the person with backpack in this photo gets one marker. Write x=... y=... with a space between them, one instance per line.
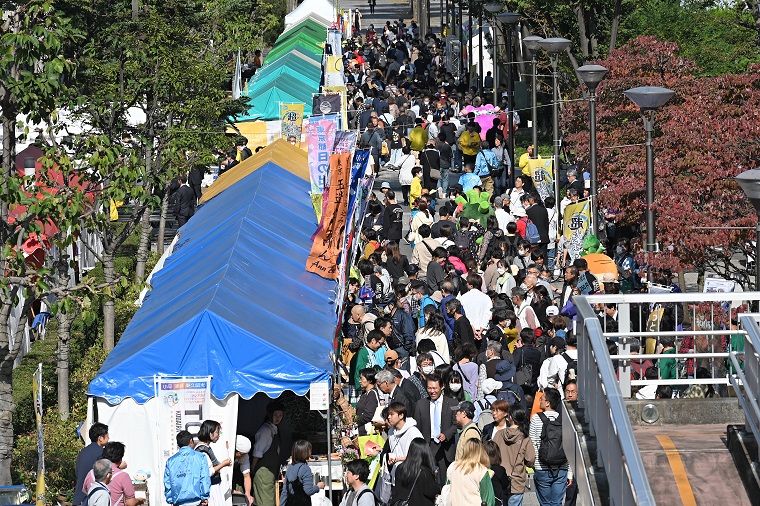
x=298 y=486
x=498 y=411
x=486 y=164
x=552 y=471
x=99 y=494
x=563 y=366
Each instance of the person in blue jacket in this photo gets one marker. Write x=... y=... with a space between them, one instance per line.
x=187 y=481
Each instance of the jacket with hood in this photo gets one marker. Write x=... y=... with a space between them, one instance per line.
x=400 y=439
x=517 y=452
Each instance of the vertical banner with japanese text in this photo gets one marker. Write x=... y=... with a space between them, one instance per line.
x=292 y=122
x=320 y=137
x=183 y=403
x=328 y=239
x=37 y=391
x=576 y=224
x=542 y=175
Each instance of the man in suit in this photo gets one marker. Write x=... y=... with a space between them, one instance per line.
x=185 y=201
x=435 y=419
x=195 y=179
x=387 y=384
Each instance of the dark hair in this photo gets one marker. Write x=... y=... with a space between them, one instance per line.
x=494 y=454
x=424 y=230
x=98 y=430
x=275 y=406
x=390 y=195
x=527 y=335
x=425 y=346
x=434 y=376
x=663 y=391
x=454 y=305
x=553 y=397
x=464 y=222
x=114 y=451
x=520 y=418
x=369 y=374
x=417 y=457
x=435 y=321
x=374 y=335
x=474 y=280
x=360 y=468
x=184 y=438
x=301 y=451
x=398 y=408
x=207 y=427
x=511 y=227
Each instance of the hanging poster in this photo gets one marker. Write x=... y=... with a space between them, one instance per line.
x=292 y=122
x=326 y=103
x=327 y=243
x=575 y=226
x=320 y=138
x=182 y=404
x=542 y=175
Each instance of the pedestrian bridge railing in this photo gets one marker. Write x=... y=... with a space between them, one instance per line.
x=705 y=341
x=746 y=381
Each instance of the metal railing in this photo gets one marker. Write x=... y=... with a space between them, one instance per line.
x=603 y=395
x=746 y=378
x=607 y=415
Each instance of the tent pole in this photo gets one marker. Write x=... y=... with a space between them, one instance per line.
x=329 y=448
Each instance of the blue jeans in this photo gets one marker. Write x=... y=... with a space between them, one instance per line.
x=550 y=486
x=515 y=500
x=444 y=181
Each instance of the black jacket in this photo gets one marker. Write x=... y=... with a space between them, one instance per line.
x=185 y=201
x=393 y=222
x=448 y=424
x=540 y=217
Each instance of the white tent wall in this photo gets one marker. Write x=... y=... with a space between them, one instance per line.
x=135 y=425
x=317 y=10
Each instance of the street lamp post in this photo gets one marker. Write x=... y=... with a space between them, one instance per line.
x=591 y=75
x=554 y=46
x=493 y=8
x=531 y=44
x=649 y=99
x=509 y=20
x=480 y=50
x=749 y=180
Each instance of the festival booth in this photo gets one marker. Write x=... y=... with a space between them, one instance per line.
x=321 y=10
x=281 y=152
x=232 y=314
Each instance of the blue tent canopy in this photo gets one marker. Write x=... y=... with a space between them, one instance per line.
x=233 y=301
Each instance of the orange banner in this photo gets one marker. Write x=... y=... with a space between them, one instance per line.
x=323 y=259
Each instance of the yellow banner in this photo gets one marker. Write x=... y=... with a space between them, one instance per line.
x=37 y=393
x=292 y=122
x=576 y=224
x=543 y=176
x=653 y=325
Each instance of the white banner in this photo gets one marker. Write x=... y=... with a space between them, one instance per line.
x=183 y=404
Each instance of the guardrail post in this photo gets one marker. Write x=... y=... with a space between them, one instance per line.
x=624 y=347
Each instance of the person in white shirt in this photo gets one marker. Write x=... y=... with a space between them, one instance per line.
x=553 y=369
x=477 y=305
x=502 y=216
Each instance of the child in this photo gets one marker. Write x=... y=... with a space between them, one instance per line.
x=416 y=189
x=468 y=180
x=499 y=479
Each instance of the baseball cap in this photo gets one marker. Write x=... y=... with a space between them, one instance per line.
x=552 y=311
x=385 y=184
x=242 y=444
x=467 y=407
x=391 y=355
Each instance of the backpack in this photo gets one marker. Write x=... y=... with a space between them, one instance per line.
x=571 y=372
x=524 y=374
x=462 y=241
x=551 y=454
x=486 y=415
x=298 y=497
x=371 y=494
x=531 y=232
x=511 y=393
x=95 y=488
x=382 y=60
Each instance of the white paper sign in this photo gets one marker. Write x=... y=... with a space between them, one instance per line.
x=319 y=398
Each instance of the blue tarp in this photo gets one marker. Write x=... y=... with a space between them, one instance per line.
x=233 y=301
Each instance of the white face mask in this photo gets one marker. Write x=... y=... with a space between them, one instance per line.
x=522 y=253
x=455 y=387
x=427 y=369
x=501 y=271
x=387 y=310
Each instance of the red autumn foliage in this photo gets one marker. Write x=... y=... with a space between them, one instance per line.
x=706 y=135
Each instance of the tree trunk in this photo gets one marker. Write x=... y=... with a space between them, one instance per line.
x=64 y=326
x=162 y=222
x=8 y=356
x=9 y=146
x=580 y=16
x=615 y=25
x=144 y=247
x=109 y=310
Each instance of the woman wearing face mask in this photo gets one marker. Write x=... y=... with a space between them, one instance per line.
x=425 y=366
x=454 y=388
x=505 y=281
x=368 y=402
x=435 y=330
x=522 y=260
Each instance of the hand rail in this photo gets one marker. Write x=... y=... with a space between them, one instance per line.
x=606 y=412
x=749 y=378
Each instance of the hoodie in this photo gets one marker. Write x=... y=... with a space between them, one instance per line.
x=400 y=439
x=517 y=452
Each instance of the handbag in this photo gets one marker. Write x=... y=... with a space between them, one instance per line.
x=403 y=502
x=434 y=173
